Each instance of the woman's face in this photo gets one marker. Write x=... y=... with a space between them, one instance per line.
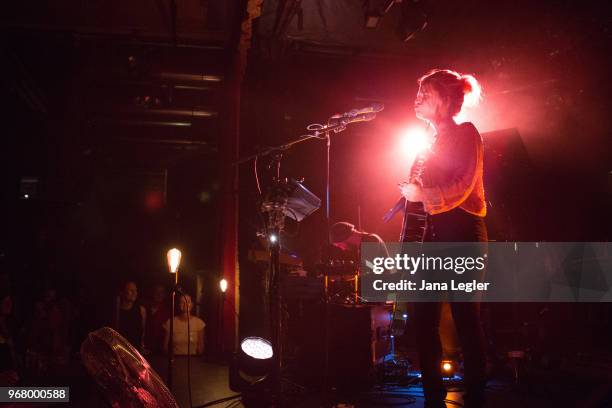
x=130 y=292
x=429 y=105
x=185 y=304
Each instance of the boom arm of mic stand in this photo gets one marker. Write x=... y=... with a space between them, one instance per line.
x=319 y=133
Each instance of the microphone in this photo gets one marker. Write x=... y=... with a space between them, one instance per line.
x=373 y=108
x=345 y=120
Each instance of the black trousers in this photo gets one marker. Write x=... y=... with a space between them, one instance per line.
x=452 y=226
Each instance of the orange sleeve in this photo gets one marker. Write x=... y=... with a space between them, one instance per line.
x=454 y=186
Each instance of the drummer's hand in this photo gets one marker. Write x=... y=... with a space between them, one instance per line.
x=411 y=191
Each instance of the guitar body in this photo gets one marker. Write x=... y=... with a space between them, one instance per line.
x=413 y=226
x=415 y=217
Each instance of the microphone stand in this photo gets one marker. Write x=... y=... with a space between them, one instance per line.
x=321 y=132
x=327 y=312
x=176 y=289
x=274 y=208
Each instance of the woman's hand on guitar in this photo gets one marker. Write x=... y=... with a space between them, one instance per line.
x=411 y=191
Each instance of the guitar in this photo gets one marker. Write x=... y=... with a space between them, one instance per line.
x=413 y=225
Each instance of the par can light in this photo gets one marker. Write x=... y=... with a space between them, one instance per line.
x=257 y=347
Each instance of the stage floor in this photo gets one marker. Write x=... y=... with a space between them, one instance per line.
x=210 y=383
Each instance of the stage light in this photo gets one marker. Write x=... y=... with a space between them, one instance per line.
x=414 y=141
x=257 y=348
x=223 y=285
x=448 y=368
x=273 y=238
x=405 y=315
x=374 y=16
x=250 y=368
x=174 y=260
x=28 y=187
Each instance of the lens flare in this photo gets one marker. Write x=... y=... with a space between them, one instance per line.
x=413 y=141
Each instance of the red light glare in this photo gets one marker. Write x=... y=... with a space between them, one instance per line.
x=413 y=141
x=153 y=200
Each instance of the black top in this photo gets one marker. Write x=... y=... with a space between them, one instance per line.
x=130 y=325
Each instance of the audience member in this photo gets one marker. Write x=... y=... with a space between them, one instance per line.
x=130 y=317
x=158 y=311
x=48 y=347
x=196 y=330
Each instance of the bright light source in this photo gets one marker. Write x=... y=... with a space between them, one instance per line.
x=256 y=347
x=414 y=141
x=223 y=285
x=273 y=238
x=461 y=116
x=405 y=315
x=448 y=368
x=26 y=196
x=174 y=260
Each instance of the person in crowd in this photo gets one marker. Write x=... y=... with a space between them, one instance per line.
x=180 y=344
x=130 y=316
x=47 y=337
x=158 y=312
x=49 y=296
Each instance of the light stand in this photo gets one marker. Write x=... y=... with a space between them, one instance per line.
x=223 y=287
x=274 y=205
x=174 y=260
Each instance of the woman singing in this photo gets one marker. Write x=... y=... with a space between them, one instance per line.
x=451 y=190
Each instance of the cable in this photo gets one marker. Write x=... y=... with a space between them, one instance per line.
x=256 y=175
x=189 y=356
x=233 y=404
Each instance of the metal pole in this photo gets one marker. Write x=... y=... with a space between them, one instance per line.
x=171 y=336
x=325 y=273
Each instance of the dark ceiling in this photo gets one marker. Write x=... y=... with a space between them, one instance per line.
x=112 y=122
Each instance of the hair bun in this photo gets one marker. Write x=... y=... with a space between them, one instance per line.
x=472 y=90
x=467 y=85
